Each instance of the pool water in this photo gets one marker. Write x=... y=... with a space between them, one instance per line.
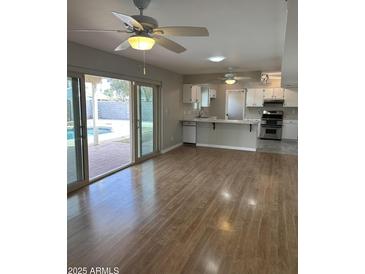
x=90 y=132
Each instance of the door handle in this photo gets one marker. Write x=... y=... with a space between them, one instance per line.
x=81 y=134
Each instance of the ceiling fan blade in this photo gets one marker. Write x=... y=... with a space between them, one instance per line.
x=99 y=30
x=126 y=19
x=213 y=81
x=242 y=77
x=182 y=31
x=124 y=45
x=168 y=44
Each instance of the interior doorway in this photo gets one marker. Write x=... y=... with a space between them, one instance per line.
x=235 y=104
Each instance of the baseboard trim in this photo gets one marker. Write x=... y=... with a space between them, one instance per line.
x=226 y=147
x=171 y=148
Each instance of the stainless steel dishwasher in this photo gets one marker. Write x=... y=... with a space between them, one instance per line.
x=189 y=132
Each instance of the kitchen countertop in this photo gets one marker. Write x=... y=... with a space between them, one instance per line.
x=222 y=121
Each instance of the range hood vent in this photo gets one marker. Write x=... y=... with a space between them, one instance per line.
x=274 y=102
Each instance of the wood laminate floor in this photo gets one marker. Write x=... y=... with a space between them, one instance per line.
x=192 y=210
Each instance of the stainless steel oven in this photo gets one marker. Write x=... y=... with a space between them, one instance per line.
x=270 y=132
x=271 y=125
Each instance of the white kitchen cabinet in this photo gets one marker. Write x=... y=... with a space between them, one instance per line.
x=291 y=97
x=290 y=129
x=212 y=93
x=268 y=93
x=273 y=93
x=191 y=93
x=254 y=97
x=278 y=93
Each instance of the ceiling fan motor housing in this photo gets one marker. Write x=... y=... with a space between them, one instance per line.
x=229 y=75
x=146 y=21
x=141 y=4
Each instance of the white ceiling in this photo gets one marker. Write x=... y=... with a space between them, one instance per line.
x=249 y=33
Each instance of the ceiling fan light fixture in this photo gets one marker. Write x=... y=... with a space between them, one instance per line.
x=141 y=42
x=216 y=59
x=230 y=81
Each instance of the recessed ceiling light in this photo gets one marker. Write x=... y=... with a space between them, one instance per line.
x=216 y=59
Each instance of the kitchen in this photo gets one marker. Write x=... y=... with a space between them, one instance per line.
x=254 y=114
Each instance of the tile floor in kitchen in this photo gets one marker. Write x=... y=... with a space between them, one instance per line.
x=278 y=146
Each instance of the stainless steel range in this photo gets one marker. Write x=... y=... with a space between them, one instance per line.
x=271 y=124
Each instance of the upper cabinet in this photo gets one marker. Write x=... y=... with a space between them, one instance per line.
x=278 y=93
x=273 y=93
x=268 y=93
x=291 y=97
x=254 y=97
x=212 y=93
x=191 y=93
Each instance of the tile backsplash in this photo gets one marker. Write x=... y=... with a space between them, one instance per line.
x=191 y=111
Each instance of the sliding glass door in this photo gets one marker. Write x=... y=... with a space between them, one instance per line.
x=75 y=141
x=108 y=114
x=147 y=120
x=111 y=123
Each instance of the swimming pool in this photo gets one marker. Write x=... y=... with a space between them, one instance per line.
x=90 y=132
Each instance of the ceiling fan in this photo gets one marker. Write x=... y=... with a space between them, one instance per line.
x=146 y=31
x=231 y=78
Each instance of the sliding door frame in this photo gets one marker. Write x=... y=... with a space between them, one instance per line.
x=77 y=71
x=156 y=120
x=81 y=115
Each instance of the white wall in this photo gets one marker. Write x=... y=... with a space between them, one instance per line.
x=86 y=59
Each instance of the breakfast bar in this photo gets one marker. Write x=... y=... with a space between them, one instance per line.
x=227 y=134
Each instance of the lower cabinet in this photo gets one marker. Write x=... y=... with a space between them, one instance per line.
x=290 y=130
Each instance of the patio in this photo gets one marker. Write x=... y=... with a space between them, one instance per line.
x=103 y=158
x=108 y=156
x=112 y=149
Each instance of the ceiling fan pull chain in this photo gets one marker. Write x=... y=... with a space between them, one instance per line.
x=144 y=62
